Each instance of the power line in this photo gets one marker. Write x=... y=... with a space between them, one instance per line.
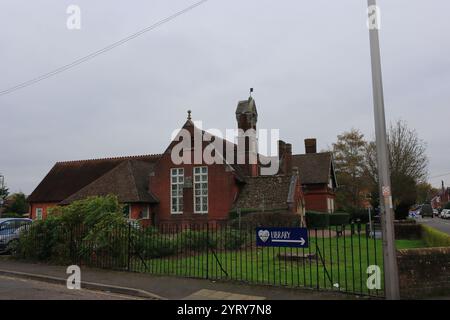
x=98 y=52
x=441 y=175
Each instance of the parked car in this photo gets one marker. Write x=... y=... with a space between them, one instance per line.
x=445 y=214
x=10 y=229
x=426 y=211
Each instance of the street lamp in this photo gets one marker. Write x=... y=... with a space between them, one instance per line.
x=387 y=213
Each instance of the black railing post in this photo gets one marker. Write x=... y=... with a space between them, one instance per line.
x=129 y=247
x=207 y=250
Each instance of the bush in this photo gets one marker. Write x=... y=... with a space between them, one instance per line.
x=447 y=206
x=339 y=219
x=88 y=229
x=402 y=211
x=317 y=220
x=45 y=241
x=434 y=238
x=359 y=216
x=197 y=240
x=11 y=215
x=232 y=239
x=267 y=219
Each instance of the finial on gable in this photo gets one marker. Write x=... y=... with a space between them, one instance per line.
x=251 y=91
x=189 y=115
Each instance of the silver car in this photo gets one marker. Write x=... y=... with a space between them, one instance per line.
x=10 y=229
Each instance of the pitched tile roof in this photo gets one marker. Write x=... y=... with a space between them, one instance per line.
x=270 y=192
x=128 y=181
x=67 y=178
x=314 y=168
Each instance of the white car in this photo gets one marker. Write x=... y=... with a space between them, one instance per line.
x=445 y=214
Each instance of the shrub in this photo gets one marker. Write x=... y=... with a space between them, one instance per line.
x=197 y=240
x=402 y=210
x=11 y=215
x=46 y=241
x=447 y=206
x=267 y=219
x=87 y=229
x=232 y=239
x=317 y=220
x=339 y=219
x=359 y=216
x=152 y=244
x=435 y=238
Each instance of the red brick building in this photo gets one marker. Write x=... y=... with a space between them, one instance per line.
x=155 y=189
x=317 y=177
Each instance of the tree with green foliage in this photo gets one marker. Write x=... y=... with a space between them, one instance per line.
x=425 y=192
x=349 y=157
x=17 y=204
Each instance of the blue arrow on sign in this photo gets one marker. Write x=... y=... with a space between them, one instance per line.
x=282 y=237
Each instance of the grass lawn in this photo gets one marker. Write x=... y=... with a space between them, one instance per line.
x=341 y=264
x=410 y=244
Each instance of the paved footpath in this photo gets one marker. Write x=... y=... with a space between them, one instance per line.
x=173 y=287
x=24 y=289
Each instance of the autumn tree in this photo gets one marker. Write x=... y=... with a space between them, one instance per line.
x=408 y=164
x=349 y=157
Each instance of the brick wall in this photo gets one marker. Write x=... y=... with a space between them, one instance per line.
x=43 y=206
x=424 y=272
x=316 y=197
x=222 y=190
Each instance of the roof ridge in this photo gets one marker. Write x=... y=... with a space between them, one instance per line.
x=111 y=158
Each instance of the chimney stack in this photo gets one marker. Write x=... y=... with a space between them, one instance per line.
x=311 y=145
x=288 y=159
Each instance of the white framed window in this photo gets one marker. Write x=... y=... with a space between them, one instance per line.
x=201 y=190
x=176 y=190
x=330 y=205
x=39 y=213
x=146 y=213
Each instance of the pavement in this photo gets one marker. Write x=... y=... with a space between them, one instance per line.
x=437 y=223
x=149 y=286
x=12 y=288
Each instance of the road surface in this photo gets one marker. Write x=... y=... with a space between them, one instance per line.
x=23 y=289
x=437 y=223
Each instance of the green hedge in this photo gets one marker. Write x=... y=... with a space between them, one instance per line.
x=245 y=211
x=339 y=219
x=317 y=220
x=447 y=206
x=435 y=238
x=359 y=215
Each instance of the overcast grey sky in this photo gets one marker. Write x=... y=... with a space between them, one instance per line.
x=307 y=60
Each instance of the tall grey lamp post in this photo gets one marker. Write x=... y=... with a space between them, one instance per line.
x=391 y=284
